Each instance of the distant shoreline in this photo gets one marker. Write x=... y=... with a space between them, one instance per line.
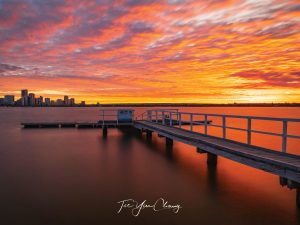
x=174 y=105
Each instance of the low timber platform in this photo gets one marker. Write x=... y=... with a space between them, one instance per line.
x=88 y=124
x=91 y=124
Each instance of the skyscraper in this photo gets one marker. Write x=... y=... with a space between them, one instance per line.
x=66 y=100
x=24 y=93
x=41 y=100
x=47 y=102
x=24 y=97
x=72 y=101
x=31 y=99
x=9 y=100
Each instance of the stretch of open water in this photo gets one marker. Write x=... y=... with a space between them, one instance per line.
x=74 y=176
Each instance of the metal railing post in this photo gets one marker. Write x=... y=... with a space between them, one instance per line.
x=179 y=120
x=163 y=117
x=191 y=121
x=171 y=122
x=224 y=126
x=102 y=117
x=156 y=117
x=249 y=131
x=205 y=124
x=150 y=115
x=284 y=135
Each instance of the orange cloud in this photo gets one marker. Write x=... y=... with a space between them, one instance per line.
x=152 y=51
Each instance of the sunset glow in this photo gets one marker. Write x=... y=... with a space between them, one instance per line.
x=201 y=51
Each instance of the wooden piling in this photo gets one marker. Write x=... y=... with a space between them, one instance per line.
x=149 y=135
x=139 y=133
x=298 y=197
x=104 y=131
x=212 y=159
x=199 y=150
x=283 y=181
x=169 y=142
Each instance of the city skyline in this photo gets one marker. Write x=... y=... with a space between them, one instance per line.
x=31 y=99
x=173 y=51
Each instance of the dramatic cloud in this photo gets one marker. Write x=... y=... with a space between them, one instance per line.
x=267 y=79
x=6 y=67
x=152 y=50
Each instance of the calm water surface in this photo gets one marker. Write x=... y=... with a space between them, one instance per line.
x=73 y=176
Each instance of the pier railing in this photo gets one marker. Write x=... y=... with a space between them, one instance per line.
x=144 y=115
x=172 y=118
x=108 y=115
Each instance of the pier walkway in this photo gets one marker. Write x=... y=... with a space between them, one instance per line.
x=192 y=128
x=282 y=164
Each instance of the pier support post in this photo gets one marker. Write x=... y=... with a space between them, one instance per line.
x=149 y=135
x=104 y=131
x=169 y=147
x=199 y=150
x=283 y=181
x=139 y=133
x=212 y=159
x=298 y=197
x=169 y=142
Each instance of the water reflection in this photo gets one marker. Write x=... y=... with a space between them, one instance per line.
x=161 y=144
x=212 y=178
x=169 y=152
x=69 y=176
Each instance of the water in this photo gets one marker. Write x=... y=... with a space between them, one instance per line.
x=73 y=176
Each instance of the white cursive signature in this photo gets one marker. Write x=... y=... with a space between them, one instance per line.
x=159 y=205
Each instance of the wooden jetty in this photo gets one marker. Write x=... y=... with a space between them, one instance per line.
x=79 y=125
x=283 y=164
x=179 y=126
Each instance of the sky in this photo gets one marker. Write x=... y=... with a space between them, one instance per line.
x=180 y=51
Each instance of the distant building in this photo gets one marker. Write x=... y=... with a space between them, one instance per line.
x=59 y=102
x=19 y=102
x=31 y=99
x=39 y=101
x=9 y=100
x=66 y=100
x=47 y=102
x=23 y=101
x=24 y=93
x=24 y=97
x=72 y=101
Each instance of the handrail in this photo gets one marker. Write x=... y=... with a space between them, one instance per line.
x=142 y=114
x=237 y=116
x=168 y=118
x=110 y=113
